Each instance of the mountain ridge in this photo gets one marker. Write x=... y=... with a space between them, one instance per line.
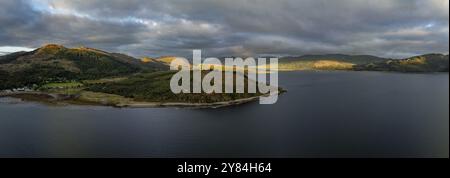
x=432 y=62
x=364 y=62
x=53 y=62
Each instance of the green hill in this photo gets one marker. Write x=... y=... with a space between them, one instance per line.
x=58 y=63
x=155 y=87
x=423 y=63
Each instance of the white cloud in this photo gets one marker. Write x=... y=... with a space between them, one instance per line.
x=12 y=49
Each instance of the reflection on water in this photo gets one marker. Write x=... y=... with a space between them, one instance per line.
x=323 y=114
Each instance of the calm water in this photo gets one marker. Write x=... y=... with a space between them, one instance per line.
x=324 y=114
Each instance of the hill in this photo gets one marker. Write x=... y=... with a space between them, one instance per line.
x=326 y=62
x=155 y=87
x=58 y=63
x=423 y=63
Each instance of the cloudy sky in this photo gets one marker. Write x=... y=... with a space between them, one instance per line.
x=388 y=28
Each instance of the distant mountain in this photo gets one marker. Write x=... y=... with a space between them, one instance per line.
x=326 y=62
x=55 y=63
x=356 y=59
x=423 y=63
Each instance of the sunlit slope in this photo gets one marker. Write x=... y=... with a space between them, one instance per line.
x=423 y=63
x=325 y=62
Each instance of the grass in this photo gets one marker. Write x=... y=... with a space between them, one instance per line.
x=103 y=98
x=66 y=91
x=104 y=80
x=62 y=85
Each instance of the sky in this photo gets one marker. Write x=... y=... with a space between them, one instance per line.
x=386 y=28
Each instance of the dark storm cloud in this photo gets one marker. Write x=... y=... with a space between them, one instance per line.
x=26 y=26
x=15 y=16
x=392 y=28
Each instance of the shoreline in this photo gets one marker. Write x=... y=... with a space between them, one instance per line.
x=187 y=105
x=64 y=100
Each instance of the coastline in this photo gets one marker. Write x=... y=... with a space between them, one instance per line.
x=64 y=100
x=187 y=105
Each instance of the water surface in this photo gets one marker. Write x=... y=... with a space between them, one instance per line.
x=323 y=114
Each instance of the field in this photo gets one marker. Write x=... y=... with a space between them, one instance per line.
x=103 y=80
